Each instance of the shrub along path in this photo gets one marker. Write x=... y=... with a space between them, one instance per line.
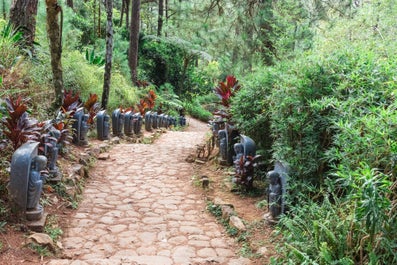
x=139 y=207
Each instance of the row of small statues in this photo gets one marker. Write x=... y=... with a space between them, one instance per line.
x=30 y=170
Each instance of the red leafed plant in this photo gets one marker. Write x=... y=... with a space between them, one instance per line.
x=148 y=102
x=92 y=106
x=19 y=127
x=151 y=99
x=245 y=171
x=64 y=137
x=226 y=90
x=71 y=102
x=142 y=106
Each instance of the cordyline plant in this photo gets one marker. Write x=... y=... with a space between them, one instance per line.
x=245 y=167
x=93 y=107
x=147 y=103
x=19 y=127
x=226 y=90
x=71 y=102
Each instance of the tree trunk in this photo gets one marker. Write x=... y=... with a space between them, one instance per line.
x=127 y=13
x=70 y=4
x=94 y=14
x=160 y=18
x=23 y=16
x=122 y=12
x=4 y=10
x=134 y=40
x=54 y=32
x=109 y=53
x=99 y=19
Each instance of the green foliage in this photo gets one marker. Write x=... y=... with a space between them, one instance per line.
x=167 y=101
x=251 y=106
x=93 y=58
x=10 y=39
x=203 y=77
x=167 y=60
x=333 y=118
x=76 y=79
x=52 y=228
x=326 y=226
x=40 y=250
x=196 y=110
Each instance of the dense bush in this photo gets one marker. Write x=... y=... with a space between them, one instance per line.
x=167 y=61
x=250 y=109
x=196 y=110
x=76 y=78
x=333 y=119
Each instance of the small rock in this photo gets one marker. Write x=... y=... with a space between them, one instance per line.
x=240 y=261
x=42 y=239
x=103 y=147
x=269 y=219
x=94 y=151
x=84 y=159
x=190 y=159
x=115 y=140
x=78 y=169
x=104 y=156
x=59 y=245
x=219 y=201
x=262 y=251
x=237 y=223
x=205 y=182
x=227 y=211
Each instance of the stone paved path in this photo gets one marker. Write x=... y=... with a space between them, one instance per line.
x=140 y=207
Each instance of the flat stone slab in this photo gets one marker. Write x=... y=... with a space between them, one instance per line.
x=38 y=225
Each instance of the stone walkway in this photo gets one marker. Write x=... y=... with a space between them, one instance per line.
x=140 y=207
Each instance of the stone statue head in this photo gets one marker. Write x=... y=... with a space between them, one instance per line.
x=274 y=177
x=40 y=162
x=238 y=148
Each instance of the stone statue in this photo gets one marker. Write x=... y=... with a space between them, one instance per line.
x=84 y=129
x=106 y=126
x=35 y=184
x=53 y=152
x=275 y=194
x=222 y=134
x=239 y=150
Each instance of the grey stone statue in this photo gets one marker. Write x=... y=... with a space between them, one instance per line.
x=53 y=152
x=35 y=184
x=275 y=194
x=222 y=134
x=239 y=150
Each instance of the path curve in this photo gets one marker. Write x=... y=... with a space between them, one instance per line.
x=140 y=207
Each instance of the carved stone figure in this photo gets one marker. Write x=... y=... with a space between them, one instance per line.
x=103 y=125
x=35 y=187
x=239 y=150
x=275 y=194
x=80 y=127
x=106 y=126
x=223 y=144
x=53 y=151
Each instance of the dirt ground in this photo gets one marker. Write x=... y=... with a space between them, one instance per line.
x=13 y=238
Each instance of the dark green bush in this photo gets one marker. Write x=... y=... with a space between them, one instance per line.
x=250 y=109
x=167 y=61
